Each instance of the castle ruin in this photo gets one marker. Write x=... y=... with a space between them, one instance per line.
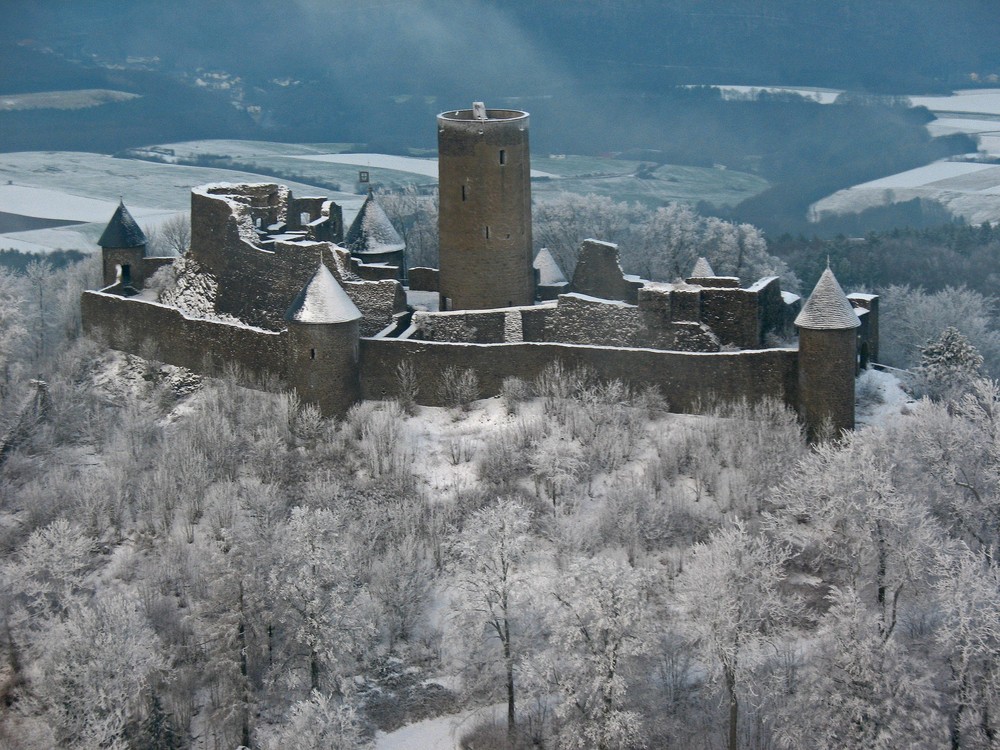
x=268 y=286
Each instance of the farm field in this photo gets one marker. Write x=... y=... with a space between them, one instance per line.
x=85 y=187
x=969 y=190
x=79 y=99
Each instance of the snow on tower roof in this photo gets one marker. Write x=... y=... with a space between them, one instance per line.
x=702 y=269
x=322 y=300
x=827 y=307
x=549 y=272
x=122 y=231
x=371 y=231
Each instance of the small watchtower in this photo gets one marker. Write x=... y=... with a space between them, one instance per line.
x=323 y=345
x=828 y=351
x=123 y=246
x=372 y=238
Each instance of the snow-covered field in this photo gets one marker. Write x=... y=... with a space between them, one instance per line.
x=86 y=187
x=821 y=95
x=79 y=99
x=425 y=167
x=44 y=203
x=973 y=101
x=967 y=189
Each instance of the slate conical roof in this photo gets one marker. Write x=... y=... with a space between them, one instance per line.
x=702 y=269
x=827 y=307
x=122 y=231
x=549 y=272
x=322 y=300
x=371 y=231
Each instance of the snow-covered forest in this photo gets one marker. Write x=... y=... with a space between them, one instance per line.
x=189 y=563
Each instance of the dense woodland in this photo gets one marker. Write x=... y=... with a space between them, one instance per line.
x=190 y=563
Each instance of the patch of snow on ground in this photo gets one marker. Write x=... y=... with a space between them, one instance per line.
x=889 y=389
x=426 y=301
x=442 y=733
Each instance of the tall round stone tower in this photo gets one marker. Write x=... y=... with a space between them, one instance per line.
x=484 y=170
x=323 y=344
x=828 y=355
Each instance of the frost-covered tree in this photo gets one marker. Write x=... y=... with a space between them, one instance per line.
x=862 y=692
x=326 y=627
x=323 y=722
x=948 y=365
x=597 y=623
x=660 y=244
x=910 y=317
x=731 y=594
x=96 y=664
x=562 y=223
x=414 y=216
x=12 y=324
x=46 y=577
x=489 y=568
x=968 y=636
x=851 y=524
x=555 y=462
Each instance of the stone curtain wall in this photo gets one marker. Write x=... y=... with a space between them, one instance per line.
x=733 y=314
x=205 y=346
x=686 y=380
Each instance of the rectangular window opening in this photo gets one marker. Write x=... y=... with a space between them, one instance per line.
x=503 y=157
x=312 y=354
x=487 y=232
x=464 y=195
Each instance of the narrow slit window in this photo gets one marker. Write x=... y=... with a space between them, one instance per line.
x=312 y=354
x=503 y=157
x=487 y=232
x=464 y=193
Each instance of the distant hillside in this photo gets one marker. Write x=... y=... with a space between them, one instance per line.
x=598 y=76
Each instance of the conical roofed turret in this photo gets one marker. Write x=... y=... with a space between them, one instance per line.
x=702 y=269
x=827 y=307
x=371 y=232
x=549 y=272
x=122 y=231
x=322 y=300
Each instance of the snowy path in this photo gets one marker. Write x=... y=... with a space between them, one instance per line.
x=441 y=733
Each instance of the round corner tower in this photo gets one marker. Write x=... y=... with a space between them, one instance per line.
x=484 y=170
x=828 y=351
x=323 y=342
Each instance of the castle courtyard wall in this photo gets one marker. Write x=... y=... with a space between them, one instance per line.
x=138 y=326
x=687 y=380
